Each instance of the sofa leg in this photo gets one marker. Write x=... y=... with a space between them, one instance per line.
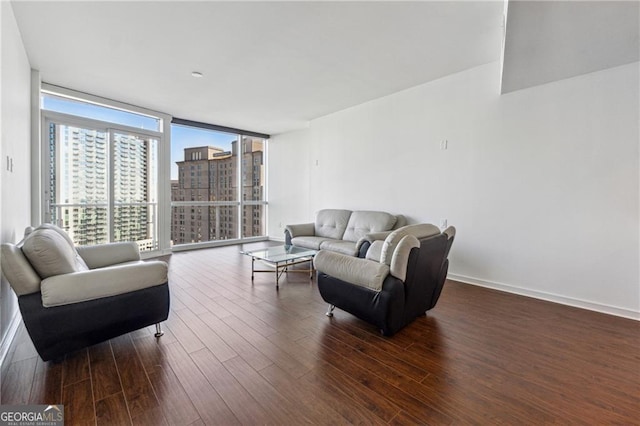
x=330 y=310
x=159 y=331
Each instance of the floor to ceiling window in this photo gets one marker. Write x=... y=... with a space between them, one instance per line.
x=101 y=173
x=113 y=172
x=217 y=184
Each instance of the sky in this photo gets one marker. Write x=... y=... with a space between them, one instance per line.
x=181 y=136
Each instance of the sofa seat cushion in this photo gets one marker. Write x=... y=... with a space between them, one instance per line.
x=362 y=223
x=50 y=253
x=104 y=282
x=309 y=242
x=331 y=223
x=345 y=247
x=354 y=270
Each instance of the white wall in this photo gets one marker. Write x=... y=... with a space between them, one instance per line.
x=288 y=181
x=542 y=184
x=15 y=208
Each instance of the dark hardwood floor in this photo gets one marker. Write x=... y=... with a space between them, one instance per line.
x=237 y=353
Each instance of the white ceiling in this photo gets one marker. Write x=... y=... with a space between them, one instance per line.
x=268 y=67
x=552 y=40
x=272 y=66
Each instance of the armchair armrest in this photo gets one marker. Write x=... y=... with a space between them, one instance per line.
x=354 y=270
x=375 y=251
x=104 y=282
x=109 y=254
x=301 y=229
x=400 y=257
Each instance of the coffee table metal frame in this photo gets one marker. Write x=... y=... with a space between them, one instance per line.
x=282 y=257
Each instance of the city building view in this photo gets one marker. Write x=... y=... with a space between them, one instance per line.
x=205 y=199
x=102 y=190
x=79 y=186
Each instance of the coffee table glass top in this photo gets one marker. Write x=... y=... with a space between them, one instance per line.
x=277 y=254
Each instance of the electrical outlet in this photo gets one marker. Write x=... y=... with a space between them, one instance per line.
x=444 y=144
x=443 y=223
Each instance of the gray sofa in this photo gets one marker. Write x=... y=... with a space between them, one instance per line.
x=343 y=231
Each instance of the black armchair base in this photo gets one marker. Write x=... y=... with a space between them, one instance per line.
x=381 y=309
x=59 y=330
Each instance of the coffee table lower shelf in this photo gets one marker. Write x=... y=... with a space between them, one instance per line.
x=281 y=258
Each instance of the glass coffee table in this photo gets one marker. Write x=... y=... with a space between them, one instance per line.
x=281 y=258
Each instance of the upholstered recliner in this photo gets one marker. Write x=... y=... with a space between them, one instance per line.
x=399 y=280
x=73 y=298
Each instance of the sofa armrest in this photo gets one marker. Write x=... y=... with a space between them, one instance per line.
x=306 y=229
x=103 y=255
x=104 y=282
x=353 y=270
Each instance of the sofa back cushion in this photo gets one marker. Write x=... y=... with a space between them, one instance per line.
x=362 y=223
x=331 y=223
x=50 y=253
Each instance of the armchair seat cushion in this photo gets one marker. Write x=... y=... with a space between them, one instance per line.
x=353 y=270
x=104 y=282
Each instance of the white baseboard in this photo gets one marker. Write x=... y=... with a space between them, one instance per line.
x=550 y=297
x=280 y=240
x=9 y=336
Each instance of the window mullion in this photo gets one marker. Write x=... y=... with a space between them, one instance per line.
x=111 y=183
x=239 y=183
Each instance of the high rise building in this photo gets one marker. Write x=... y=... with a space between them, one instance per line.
x=208 y=174
x=79 y=186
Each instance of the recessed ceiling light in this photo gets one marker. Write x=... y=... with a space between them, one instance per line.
x=196 y=74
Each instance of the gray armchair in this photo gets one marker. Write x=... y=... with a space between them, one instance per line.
x=72 y=298
x=400 y=279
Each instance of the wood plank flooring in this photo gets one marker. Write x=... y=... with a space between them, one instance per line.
x=237 y=353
